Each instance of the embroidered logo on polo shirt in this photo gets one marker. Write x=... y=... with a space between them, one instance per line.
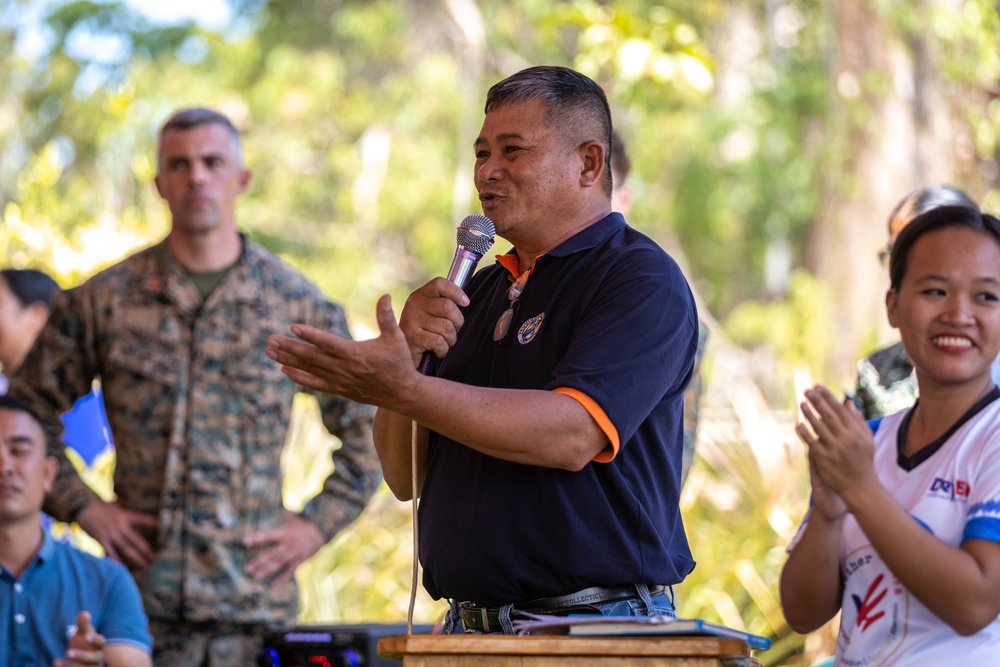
x=529 y=329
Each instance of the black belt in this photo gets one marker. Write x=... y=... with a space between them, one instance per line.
x=487 y=619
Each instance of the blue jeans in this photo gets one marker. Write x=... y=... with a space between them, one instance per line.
x=642 y=605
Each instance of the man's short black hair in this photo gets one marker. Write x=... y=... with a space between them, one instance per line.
x=30 y=286
x=8 y=402
x=575 y=105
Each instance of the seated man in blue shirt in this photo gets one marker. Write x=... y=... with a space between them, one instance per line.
x=58 y=606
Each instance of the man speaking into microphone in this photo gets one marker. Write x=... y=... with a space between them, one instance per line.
x=549 y=432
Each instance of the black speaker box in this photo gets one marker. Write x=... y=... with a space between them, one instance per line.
x=330 y=645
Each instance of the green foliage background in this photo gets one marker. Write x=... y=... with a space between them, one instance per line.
x=358 y=119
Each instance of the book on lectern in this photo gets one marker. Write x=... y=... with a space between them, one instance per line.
x=662 y=624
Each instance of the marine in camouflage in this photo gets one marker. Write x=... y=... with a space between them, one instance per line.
x=199 y=417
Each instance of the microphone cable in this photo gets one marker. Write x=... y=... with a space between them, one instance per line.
x=474 y=239
x=413 y=520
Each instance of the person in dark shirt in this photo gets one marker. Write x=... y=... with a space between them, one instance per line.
x=549 y=434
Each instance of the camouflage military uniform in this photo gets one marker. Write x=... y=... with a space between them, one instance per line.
x=199 y=416
x=886 y=383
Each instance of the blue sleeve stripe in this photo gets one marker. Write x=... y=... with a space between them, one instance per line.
x=982 y=528
x=122 y=641
x=991 y=506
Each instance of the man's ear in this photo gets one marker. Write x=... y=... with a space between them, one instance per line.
x=891 y=299
x=159 y=185
x=38 y=315
x=244 y=180
x=51 y=470
x=591 y=163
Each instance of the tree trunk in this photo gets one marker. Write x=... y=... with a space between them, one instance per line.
x=897 y=136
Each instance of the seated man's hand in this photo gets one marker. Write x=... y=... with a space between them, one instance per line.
x=86 y=646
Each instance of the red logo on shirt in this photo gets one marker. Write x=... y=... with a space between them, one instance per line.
x=944 y=488
x=867 y=606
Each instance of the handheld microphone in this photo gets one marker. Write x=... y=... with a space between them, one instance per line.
x=475 y=238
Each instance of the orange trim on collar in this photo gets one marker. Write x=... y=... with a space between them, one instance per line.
x=595 y=411
x=509 y=262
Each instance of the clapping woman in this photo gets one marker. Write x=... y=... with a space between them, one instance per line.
x=903 y=536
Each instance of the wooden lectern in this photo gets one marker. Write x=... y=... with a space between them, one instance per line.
x=565 y=651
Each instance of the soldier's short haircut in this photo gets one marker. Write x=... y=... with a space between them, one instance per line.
x=188 y=119
x=575 y=105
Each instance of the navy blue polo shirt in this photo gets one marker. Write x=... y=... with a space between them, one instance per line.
x=38 y=610
x=607 y=315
